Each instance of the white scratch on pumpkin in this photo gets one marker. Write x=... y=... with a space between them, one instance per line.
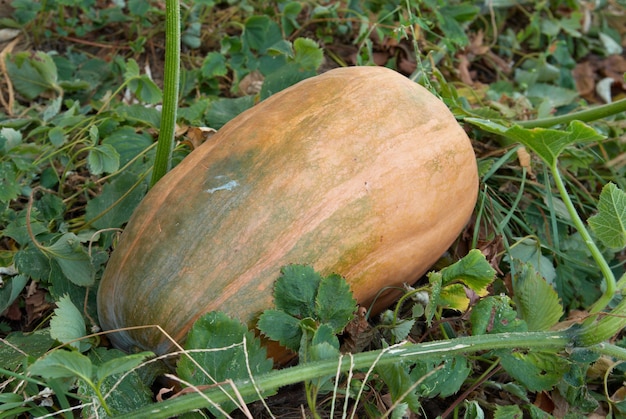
x=228 y=186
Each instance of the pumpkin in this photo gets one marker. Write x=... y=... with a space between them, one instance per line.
x=358 y=171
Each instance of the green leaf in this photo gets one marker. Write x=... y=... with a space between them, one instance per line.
x=32 y=263
x=103 y=158
x=609 y=224
x=537 y=371
x=132 y=392
x=494 y=314
x=508 y=412
x=281 y=327
x=550 y=143
x=444 y=381
x=334 y=303
x=435 y=279
x=222 y=356
x=536 y=301
x=63 y=364
x=67 y=324
x=57 y=136
x=8 y=179
x=473 y=270
x=296 y=289
x=120 y=365
x=17 y=344
x=10 y=290
x=117 y=201
x=260 y=33
x=529 y=251
x=214 y=65
x=73 y=260
x=308 y=54
x=401 y=329
x=32 y=75
x=398 y=381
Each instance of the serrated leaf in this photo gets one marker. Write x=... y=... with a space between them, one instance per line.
x=117 y=201
x=537 y=371
x=550 y=143
x=398 y=381
x=529 y=251
x=132 y=392
x=63 y=364
x=435 y=279
x=609 y=224
x=57 y=136
x=8 y=179
x=281 y=327
x=214 y=65
x=296 y=289
x=67 y=324
x=442 y=382
x=34 y=344
x=494 y=314
x=32 y=76
x=401 y=329
x=120 y=364
x=10 y=290
x=73 y=260
x=308 y=54
x=536 y=301
x=473 y=270
x=508 y=412
x=103 y=158
x=334 y=303
x=223 y=357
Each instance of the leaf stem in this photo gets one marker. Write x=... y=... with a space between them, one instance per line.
x=362 y=361
x=609 y=278
x=163 y=159
x=587 y=115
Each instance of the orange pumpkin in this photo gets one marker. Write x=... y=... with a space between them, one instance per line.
x=358 y=171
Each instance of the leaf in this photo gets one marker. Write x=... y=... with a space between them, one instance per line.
x=11 y=290
x=32 y=76
x=73 y=260
x=120 y=364
x=529 y=251
x=131 y=393
x=67 y=324
x=117 y=201
x=550 y=143
x=214 y=65
x=536 y=301
x=609 y=224
x=398 y=381
x=217 y=331
x=473 y=270
x=435 y=279
x=63 y=364
x=223 y=355
x=8 y=179
x=103 y=158
x=508 y=412
x=281 y=327
x=334 y=303
x=444 y=381
x=537 y=371
x=401 y=329
x=32 y=263
x=308 y=55
x=260 y=33
x=295 y=290
x=494 y=314
x=223 y=110
x=16 y=344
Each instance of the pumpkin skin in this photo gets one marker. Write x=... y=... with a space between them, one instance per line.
x=358 y=171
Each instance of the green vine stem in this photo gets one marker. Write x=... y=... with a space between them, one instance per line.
x=609 y=278
x=587 y=115
x=267 y=383
x=163 y=159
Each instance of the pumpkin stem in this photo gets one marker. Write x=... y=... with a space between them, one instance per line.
x=162 y=161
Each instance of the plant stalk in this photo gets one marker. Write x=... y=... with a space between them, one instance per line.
x=587 y=115
x=273 y=380
x=163 y=159
x=609 y=278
